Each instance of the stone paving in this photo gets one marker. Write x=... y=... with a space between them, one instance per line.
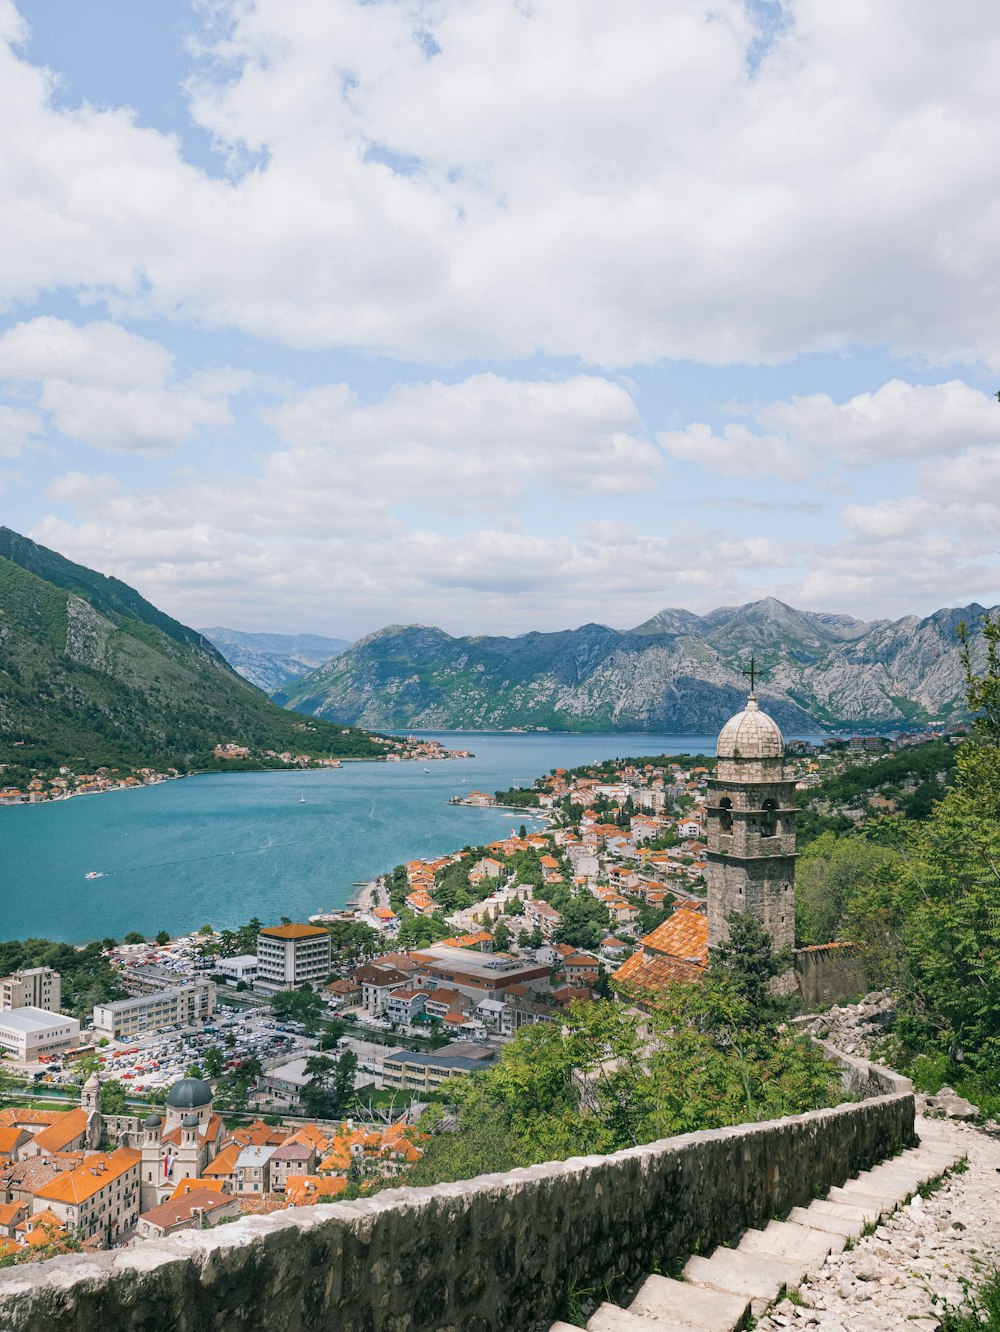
x=917 y=1257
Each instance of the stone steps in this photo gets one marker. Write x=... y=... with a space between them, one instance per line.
x=720 y=1292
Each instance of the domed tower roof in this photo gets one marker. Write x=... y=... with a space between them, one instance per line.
x=751 y=734
x=189 y=1094
x=152 y=1122
x=92 y=1083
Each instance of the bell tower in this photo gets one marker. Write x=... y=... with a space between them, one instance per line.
x=751 y=829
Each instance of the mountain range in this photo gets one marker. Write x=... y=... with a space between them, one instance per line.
x=677 y=673
x=271 y=661
x=91 y=673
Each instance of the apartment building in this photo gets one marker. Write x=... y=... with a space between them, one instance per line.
x=292 y=955
x=35 y=987
x=181 y=1004
x=98 y=1198
x=430 y=1070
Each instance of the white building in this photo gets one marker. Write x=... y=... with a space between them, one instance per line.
x=242 y=968
x=35 y=987
x=292 y=955
x=29 y=1032
x=181 y=1004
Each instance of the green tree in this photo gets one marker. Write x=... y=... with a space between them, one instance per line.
x=330 y=1088
x=303 y=1005
x=214 y=1061
x=829 y=873
x=931 y=929
x=162 y=937
x=501 y=936
x=114 y=1098
x=742 y=968
x=134 y=937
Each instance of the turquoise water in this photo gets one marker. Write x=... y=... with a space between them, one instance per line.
x=222 y=848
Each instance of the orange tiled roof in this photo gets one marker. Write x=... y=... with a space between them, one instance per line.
x=225 y=1162
x=684 y=935
x=9 y=1211
x=15 y=1115
x=9 y=1138
x=70 y=1125
x=642 y=972
x=189 y=1185
x=76 y=1186
x=172 y=1211
x=301 y=1190
x=293 y=931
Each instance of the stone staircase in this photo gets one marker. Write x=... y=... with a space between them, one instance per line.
x=721 y=1292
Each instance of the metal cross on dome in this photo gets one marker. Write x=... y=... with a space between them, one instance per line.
x=753 y=672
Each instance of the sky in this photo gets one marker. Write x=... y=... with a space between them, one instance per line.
x=503 y=315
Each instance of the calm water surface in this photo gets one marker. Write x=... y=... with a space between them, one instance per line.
x=224 y=847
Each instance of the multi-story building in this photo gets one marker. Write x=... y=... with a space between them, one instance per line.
x=428 y=1070
x=181 y=1004
x=35 y=987
x=29 y=1032
x=292 y=955
x=475 y=974
x=98 y=1198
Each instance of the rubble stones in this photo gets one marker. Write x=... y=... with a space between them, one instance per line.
x=916 y=1258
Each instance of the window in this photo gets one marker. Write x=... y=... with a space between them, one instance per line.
x=725 y=815
x=769 y=818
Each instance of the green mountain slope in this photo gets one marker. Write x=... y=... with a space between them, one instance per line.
x=678 y=672
x=92 y=674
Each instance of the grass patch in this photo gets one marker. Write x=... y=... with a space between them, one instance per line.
x=979 y=1311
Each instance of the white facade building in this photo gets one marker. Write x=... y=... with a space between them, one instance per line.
x=242 y=968
x=181 y=1004
x=29 y=1032
x=292 y=955
x=35 y=987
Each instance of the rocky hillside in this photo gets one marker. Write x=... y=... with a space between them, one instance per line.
x=271 y=661
x=91 y=672
x=678 y=673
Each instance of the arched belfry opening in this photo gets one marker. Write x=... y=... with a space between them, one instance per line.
x=751 y=829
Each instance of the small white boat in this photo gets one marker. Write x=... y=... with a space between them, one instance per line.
x=302 y=800
x=94 y=874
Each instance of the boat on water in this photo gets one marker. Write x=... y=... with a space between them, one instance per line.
x=94 y=874
x=302 y=800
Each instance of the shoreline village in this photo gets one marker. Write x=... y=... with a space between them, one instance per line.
x=66 y=782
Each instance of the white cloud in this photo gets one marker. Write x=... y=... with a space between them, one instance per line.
x=477 y=443
x=792 y=439
x=111 y=388
x=613 y=182
x=17 y=426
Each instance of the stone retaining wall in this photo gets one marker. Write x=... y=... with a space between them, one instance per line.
x=493 y=1254
x=828 y=974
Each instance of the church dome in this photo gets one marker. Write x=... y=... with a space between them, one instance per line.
x=152 y=1122
x=751 y=734
x=189 y=1094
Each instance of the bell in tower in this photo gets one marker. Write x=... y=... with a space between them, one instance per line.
x=751 y=830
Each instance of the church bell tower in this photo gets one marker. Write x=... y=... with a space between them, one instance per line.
x=751 y=829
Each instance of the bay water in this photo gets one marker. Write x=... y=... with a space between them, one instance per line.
x=224 y=847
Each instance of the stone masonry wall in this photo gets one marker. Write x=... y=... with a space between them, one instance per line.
x=493 y=1254
x=828 y=974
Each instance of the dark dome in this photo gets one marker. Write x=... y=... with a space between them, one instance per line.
x=152 y=1122
x=189 y=1121
x=189 y=1094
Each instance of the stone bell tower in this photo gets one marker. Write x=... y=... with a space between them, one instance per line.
x=751 y=829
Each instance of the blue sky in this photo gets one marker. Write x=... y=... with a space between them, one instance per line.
x=503 y=315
